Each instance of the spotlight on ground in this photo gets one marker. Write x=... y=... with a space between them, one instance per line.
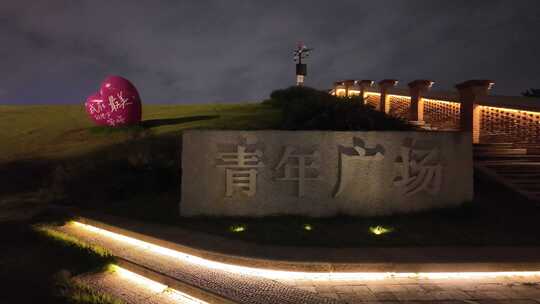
x=237 y=228
x=379 y=230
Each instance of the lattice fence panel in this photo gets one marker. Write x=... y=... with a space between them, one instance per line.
x=373 y=100
x=507 y=125
x=399 y=106
x=440 y=114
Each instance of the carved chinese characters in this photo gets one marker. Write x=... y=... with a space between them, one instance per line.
x=420 y=170
x=241 y=170
x=297 y=166
x=314 y=173
x=360 y=153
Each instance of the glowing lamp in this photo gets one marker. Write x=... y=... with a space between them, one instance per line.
x=378 y=230
x=237 y=228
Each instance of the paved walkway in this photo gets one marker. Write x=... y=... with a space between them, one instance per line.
x=499 y=290
x=258 y=288
x=502 y=290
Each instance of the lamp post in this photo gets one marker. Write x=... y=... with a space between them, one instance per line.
x=300 y=53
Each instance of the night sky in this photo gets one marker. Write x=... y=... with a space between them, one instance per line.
x=236 y=51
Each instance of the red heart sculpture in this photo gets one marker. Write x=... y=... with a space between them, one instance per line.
x=117 y=103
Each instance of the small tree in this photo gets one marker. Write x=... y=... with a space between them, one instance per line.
x=531 y=93
x=306 y=108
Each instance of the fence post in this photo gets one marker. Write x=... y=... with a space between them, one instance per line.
x=384 y=104
x=348 y=84
x=470 y=93
x=416 y=110
x=363 y=84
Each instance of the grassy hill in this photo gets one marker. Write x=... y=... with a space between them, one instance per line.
x=58 y=131
x=54 y=154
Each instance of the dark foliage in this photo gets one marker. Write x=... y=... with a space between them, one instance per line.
x=31 y=263
x=531 y=93
x=309 y=109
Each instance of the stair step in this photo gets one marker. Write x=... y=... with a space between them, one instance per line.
x=522 y=175
x=511 y=156
x=533 y=151
x=530 y=188
x=523 y=145
x=523 y=181
x=512 y=171
x=484 y=148
x=532 y=195
x=518 y=158
x=515 y=164
x=493 y=144
x=506 y=171
x=511 y=164
x=533 y=181
x=501 y=152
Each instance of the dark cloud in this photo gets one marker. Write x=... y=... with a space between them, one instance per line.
x=228 y=51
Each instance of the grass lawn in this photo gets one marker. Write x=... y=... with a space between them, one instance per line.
x=59 y=131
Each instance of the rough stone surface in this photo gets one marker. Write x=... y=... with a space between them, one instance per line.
x=354 y=173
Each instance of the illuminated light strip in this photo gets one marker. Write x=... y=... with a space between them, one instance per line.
x=510 y=110
x=155 y=287
x=399 y=96
x=451 y=103
x=351 y=91
x=297 y=275
x=138 y=279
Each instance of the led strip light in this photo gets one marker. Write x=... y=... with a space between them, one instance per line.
x=296 y=275
x=155 y=287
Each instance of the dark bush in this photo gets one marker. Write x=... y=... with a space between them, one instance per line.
x=310 y=109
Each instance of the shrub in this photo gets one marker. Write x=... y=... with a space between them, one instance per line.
x=310 y=109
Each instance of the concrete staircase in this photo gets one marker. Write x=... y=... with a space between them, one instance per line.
x=515 y=165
